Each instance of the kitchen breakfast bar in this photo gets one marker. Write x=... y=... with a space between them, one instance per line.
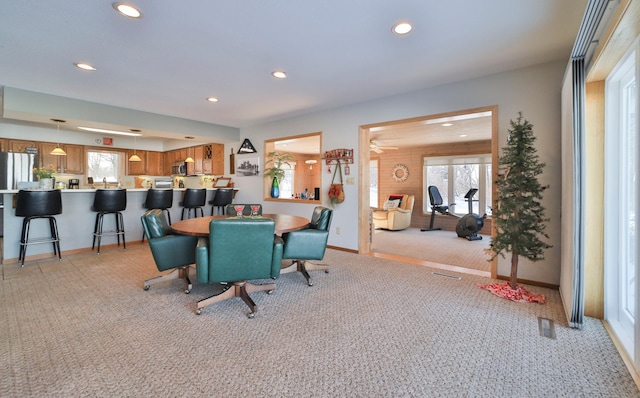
x=77 y=220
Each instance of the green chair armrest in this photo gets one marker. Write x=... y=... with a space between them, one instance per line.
x=202 y=264
x=172 y=251
x=306 y=244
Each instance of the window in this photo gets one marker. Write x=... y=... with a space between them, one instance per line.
x=105 y=166
x=454 y=176
x=288 y=182
x=373 y=183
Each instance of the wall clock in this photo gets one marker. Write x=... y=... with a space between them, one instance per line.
x=400 y=173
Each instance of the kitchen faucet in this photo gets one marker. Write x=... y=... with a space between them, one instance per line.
x=104 y=179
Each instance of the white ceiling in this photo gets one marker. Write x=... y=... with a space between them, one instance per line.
x=335 y=52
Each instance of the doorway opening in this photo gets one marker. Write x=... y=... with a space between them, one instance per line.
x=413 y=145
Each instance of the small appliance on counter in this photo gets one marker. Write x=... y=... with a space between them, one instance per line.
x=74 y=183
x=162 y=183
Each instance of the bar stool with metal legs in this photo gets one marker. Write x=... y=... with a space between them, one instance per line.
x=193 y=199
x=223 y=197
x=161 y=199
x=38 y=204
x=109 y=201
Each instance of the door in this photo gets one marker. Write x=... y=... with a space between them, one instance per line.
x=621 y=188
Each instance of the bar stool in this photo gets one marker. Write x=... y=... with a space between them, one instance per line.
x=38 y=204
x=109 y=201
x=223 y=197
x=161 y=199
x=193 y=199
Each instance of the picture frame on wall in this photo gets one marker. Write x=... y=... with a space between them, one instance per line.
x=248 y=167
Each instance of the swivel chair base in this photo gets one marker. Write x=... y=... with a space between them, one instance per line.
x=176 y=273
x=238 y=289
x=303 y=267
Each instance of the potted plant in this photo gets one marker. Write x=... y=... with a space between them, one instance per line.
x=277 y=160
x=519 y=215
x=45 y=176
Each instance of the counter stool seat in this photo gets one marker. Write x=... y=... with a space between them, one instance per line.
x=222 y=197
x=109 y=201
x=161 y=199
x=33 y=205
x=193 y=200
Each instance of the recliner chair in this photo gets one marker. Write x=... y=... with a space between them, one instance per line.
x=175 y=252
x=397 y=218
x=239 y=250
x=308 y=244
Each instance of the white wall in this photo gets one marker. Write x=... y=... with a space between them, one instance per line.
x=535 y=91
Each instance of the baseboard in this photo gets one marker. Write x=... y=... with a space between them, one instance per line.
x=64 y=253
x=529 y=282
x=342 y=249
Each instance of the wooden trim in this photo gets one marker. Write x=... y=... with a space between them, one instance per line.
x=621 y=31
x=530 y=282
x=594 y=206
x=628 y=362
x=342 y=249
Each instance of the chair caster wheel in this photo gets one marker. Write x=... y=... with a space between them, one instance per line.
x=270 y=291
x=187 y=291
x=310 y=283
x=198 y=311
x=326 y=271
x=146 y=287
x=251 y=315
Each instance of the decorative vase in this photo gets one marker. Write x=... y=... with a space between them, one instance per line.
x=46 y=184
x=275 y=188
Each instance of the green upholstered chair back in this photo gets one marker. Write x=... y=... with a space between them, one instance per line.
x=169 y=251
x=155 y=224
x=230 y=209
x=240 y=249
x=321 y=218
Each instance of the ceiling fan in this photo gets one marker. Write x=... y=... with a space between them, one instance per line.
x=379 y=149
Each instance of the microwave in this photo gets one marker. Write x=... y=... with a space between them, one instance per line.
x=179 y=168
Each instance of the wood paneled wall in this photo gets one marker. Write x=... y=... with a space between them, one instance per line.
x=412 y=159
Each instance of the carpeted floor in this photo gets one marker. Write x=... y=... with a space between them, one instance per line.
x=84 y=327
x=443 y=247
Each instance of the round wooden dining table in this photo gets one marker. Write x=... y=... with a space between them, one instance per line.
x=200 y=226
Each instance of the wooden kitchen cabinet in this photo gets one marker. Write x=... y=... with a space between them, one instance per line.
x=217 y=159
x=4 y=147
x=198 y=157
x=74 y=159
x=20 y=146
x=137 y=168
x=155 y=163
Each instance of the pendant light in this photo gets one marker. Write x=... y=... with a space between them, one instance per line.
x=58 y=151
x=134 y=157
x=189 y=159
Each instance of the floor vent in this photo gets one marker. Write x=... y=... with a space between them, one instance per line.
x=546 y=328
x=447 y=276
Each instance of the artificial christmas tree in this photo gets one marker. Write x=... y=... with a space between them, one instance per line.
x=519 y=215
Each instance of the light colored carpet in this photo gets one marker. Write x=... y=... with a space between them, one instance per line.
x=443 y=247
x=85 y=327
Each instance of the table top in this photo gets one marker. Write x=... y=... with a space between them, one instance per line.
x=200 y=226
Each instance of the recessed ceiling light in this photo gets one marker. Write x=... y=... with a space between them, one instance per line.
x=85 y=66
x=402 y=28
x=95 y=130
x=447 y=124
x=278 y=74
x=462 y=135
x=127 y=10
x=212 y=99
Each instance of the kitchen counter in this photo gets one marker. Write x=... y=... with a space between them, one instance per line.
x=76 y=223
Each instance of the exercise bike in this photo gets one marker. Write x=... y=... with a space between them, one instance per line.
x=468 y=225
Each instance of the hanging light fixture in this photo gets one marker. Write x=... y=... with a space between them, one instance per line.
x=189 y=159
x=134 y=157
x=311 y=162
x=58 y=151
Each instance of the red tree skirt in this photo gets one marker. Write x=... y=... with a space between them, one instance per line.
x=520 y=294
